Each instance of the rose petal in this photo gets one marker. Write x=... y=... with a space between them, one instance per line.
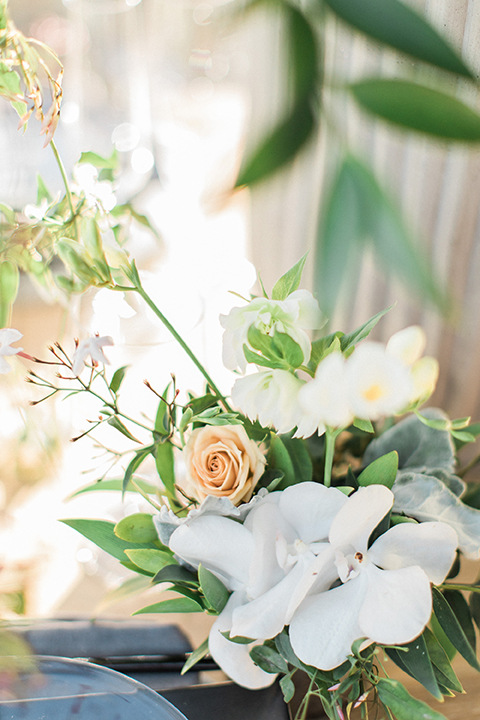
x=325 y=625
x=360 y=515
x=234 y=658
x=397 y=604
x=222 y=545
x=430 y=545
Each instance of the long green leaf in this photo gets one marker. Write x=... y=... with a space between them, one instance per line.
x=175 y=605
x=280 y=147
x=289 y=282
x=462 y=612
x=403 y=706
x=304 y=61
x=452 y=628
x=101 y=532
x=418 y=664
x=135 y=463
x=350 y=340
x=395 y=24
x=9 y=280
x=418 y=107
x=195 y=656
x=165 y=465
x=114 y=485
x=444 y=672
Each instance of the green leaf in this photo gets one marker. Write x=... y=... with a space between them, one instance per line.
x=42 y=191
x=252 y=357
x=114 y=485
x=452 y=628
x=117 y=379
x=213 y=589
x=403 y=706
x=239 y=639
x=116 y=423
x=303 y=60
x=287 y=687
x=135 y=463
x=290 y=456
x=280 y=147
x=110 y=163
x=268 y=660
x=382 y=471
x=175 y=605
x=150 y=560
x=289 y=282
x=165 y=465
x=419 y=108
x=441 y=663
x=176 y=574
x=136 y=528
x=162 y=420
x=323 y=347
x=102 y=534
x=195 y=656
x=364 y=425
x=11 y=89
x=353 y=338
x=474 y=603
x=395 y=24
x=288 y=349
x=418 y=664
x=9 y=281
x=461 y=610
x=9 y=213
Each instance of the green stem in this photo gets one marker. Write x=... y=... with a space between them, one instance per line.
x=68 y=193
x=459 y=586
x=330 y=436
x=183 y=344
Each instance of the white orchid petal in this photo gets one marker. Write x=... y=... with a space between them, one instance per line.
x=359 y=516
x=397 y=604
x=310 y=508
x=234 y=658
x=265 y=523
x=429 y=545
x=222 y=545
x=325 y=625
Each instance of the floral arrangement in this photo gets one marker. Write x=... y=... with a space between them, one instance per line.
x=323 y=535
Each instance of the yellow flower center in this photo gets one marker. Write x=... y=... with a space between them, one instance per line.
x=374 y=392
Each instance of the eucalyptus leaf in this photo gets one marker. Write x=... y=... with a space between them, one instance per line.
x=364 y=425
x=149 y=559
x=427 y=499
x=420 y=108
x=176 y=574
x=397 y=25
x=418 y=664
x=116 y=423
x=289 y=282
x=268 y=659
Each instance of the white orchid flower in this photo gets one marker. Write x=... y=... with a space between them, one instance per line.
x=92 y=347
x=293 y=316
x=269 y=563
x=271 y=396
x=7 y=337
x=325 y=397
x=378 y=383
x=385 y=594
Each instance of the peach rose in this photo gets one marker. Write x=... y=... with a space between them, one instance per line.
x=221 y=460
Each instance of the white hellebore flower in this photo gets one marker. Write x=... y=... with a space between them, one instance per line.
x=7 y=337
x=324 y=399
x=299 y=312
x=97 y=193
x=271 y=396
x=408 y=345
x=269 y=563
x=92 y=347
x=385 y=594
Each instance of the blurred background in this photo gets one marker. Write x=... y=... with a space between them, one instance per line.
x=182 y=90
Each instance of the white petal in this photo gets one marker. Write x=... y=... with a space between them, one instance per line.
x=4 y=366
x=408 y=344
x=310 y=508
x=429 y=545
x=325 y=625
x=360 y=515
x=265 y=523
x=234 y=658
x=9 y=336
x=326 y=394
x=222 y=545
x=397 y=604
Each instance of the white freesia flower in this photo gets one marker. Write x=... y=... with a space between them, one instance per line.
x=92 y=347
x=324 y=398
x=293 y=316
x=271 y=396
x=385 y=594
x=269 y=563
x=378 y=383
x=7 y=337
